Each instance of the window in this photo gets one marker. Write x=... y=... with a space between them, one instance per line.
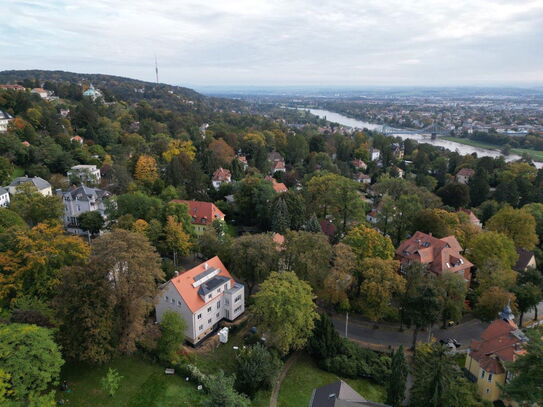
x=226 y=302
x=218 y=314
x=482 y=373
x=238 y=298
x=173 y=300
x=167 y=299
x=199 y=316
x=219 y=290
x=488 y=390
x=209 y=309
x=218 y=304
x=209 y=321
x=237 y=309
x=179 y=303
x=209 y=297
x=490 y=377
x=200 y=327
x=226 y=287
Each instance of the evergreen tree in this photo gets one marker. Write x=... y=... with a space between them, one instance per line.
x=280 y=216
x=397 y=379
x=479 y=187
x=313 y=224
x=325 y=342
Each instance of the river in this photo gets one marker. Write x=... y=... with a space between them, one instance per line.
x=449 y=145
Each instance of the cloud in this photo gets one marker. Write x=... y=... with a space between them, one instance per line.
x=280 y=42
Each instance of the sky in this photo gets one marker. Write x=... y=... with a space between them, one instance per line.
x=281 y=42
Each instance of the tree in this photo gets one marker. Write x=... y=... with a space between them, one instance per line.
x=280 y=218
x=491 y=302
x=85 y=306
x=398 y=378
x=492 y=274
x=221 y=392
x=478 y=187
x=325 y=342
x=175 y=238
x=31 y=358
x=438 y=382
x=35 y=208
x=369 y=243
x=308 y=255
x=134 y=268
x=252 y=257
x=284 y=308
x=422 y=308
x=527 y=372
x=528 y=296
x=179 y=147
x=256 y=367
x=221 y=153
x=111 y=382
x=313 y=224
x=9 y=218
x=146 y=169
x=452 y=290
x=454 y=194
x=32 y=262
x=438 y=222
x=492 y=245
x=253 y=199
x=6 y=169
x=91 y=221
x=173 y=329
x=518 y=224
x=381 y=282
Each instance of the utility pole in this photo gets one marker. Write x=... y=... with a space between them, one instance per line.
x=346 y=323
x=156 y=69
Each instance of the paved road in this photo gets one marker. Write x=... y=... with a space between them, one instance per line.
x=389 y=335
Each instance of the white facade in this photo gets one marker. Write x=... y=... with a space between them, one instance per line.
x=202 y=303
x=81 y=200
x=5 y=118
x=86 y=173
x=375 y=154
x=4 y=197
x=41 y=185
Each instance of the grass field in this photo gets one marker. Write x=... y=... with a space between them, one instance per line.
x=17 y=172
x=304 y=376
x=536 y=155
x=143 y=385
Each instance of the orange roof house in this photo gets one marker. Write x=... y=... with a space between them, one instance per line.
x=440 y=255
x=203 y=213
x=221 y=176
x=464 y=175
x=277 y=186
x=203 y=296
x=501 y=342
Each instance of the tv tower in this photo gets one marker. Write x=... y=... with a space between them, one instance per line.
x=156 y=69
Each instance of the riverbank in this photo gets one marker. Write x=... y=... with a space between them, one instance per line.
x=535 y=155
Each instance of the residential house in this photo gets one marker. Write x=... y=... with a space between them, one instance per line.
x=203 y=214
x=486 y=362
x=359 y=165
x=339 y=394
x=41 y=92
x=77 y=139
x=93 y=93
x=440 y=255
x=221 y=176
x=81 y=200
x=372 y=216
x=474 y=220
x=375 y=154
x=397 y=172
x=203 y=296
x=12 y=87
x=526 y=260
x=278 y=187
x=328 y=228
x=41 y=185
x=85 y=173
x=362 y=178
x=397 y=151
x=277 y=162
x=243 y=160
x=464 y=175
x=5 y=118
x=4 y=197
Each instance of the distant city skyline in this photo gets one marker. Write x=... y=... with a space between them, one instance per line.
x=281 y=42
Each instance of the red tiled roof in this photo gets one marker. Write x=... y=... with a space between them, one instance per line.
x=440 y=254
x=278 y=165
x=327 y=227
x=497 y=345
x=222 y=175
x=39 y=90
x=359 y=164
x=15 y=87
x=278 y=238
x=472 y=218
x=183 y=282
x=202 y=213
x=466 y=172
x=277 y=186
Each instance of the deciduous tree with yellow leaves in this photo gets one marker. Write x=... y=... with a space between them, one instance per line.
x=146 y=169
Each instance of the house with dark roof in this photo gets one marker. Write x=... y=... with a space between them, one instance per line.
x=440 y=255
x=486 y=362
x=41 y=185
x=202 y=213
x=203 y=296
x=80 y=200
x=339 y=394
x=526 y=260
x=463 y=176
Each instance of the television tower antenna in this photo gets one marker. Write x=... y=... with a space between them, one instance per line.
x=156 y=69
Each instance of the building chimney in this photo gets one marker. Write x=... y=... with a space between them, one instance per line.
x=206 y=266
x=176 y=273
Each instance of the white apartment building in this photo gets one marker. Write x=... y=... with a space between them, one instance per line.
x=86 y=173
x=203 y=296
x=80 y=200
x=41 y=185
x=4 y=197
x=5 y=118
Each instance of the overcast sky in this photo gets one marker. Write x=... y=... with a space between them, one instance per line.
x=277 y=42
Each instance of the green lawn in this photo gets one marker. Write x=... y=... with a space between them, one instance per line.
x=536 y=155
x=17 y=172
x=304 y=376
x=144 y=385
